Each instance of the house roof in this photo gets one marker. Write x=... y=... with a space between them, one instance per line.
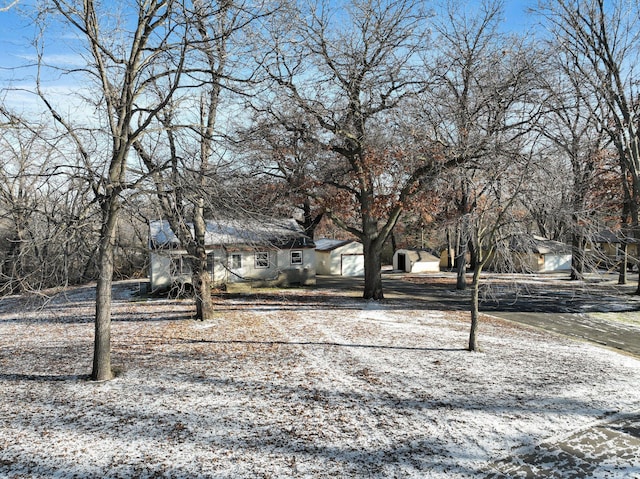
x=237 y=232
x=326 y=244
x=539 y=245
x=610 y=237
x=419 y=255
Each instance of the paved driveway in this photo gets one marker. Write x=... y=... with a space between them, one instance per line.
x=550 y=302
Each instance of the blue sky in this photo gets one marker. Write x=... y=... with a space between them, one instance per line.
x=515 y=14
x=15 y=33
x=16 y=36
x=17 y=54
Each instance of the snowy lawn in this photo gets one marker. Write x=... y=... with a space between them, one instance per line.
x=293 y=384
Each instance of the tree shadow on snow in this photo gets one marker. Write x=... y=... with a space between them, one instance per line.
x=319 y=344
x=43 y=378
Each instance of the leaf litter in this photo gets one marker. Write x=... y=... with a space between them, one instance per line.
x=289 y=384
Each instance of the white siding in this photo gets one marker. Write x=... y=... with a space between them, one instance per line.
x=352 y=265
x=331 y=261
x=161 y=271
x=557 y=262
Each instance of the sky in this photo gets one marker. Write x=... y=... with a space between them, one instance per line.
x=16 y=50
x=15 y=38
x=516 y=17
x=16 y=34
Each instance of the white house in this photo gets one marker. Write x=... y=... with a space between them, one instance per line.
x=339 y=257
x=415 y=261
x=274 y=253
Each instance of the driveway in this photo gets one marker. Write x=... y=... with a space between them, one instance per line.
x=592 y=310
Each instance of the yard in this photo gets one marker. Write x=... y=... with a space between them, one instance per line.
x=295 y=383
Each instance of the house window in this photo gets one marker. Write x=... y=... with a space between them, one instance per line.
x=296 y=257
x=236 y=261
x=179 y=266
x=262 y=260
x=211 y=264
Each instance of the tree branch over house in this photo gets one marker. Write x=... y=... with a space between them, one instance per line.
x=190 y=186
x=349 y=71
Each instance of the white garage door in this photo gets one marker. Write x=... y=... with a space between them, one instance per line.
x=352 y=265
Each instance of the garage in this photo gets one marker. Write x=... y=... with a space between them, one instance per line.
x=339 y=257
x=352 y=265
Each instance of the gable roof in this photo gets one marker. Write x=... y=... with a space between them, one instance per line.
x=284 y=233
x=419 y=255
x=325 y=244
x=610 y=237
x=537 y=244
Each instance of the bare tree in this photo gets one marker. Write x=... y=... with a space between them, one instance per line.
x=493 y=221
x=547 y=197
x=19 y=200
x=600 y=39
x=123 y=59
x=350 y=68
x=576 y=136
x=286 y=163
x=480 y=104
x=48 y=223
x=481 y=108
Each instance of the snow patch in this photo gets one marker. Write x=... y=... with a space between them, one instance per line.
x=317 y=388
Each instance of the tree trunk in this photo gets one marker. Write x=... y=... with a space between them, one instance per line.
x=577 y=257
x=202 y=290
x=622 y=276
x=102 y=343
x=200 y=277
x=449 y=251
x=372 y=271
x=461 y=266
x=473 y=255
x=310 y=221
x=475 y=310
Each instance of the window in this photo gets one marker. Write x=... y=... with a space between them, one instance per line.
x=211 y=264
x=179 y=266
x=236 y=261
x=262 y=260
x=296 y=257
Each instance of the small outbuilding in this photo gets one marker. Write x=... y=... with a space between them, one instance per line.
x=265 y=253
x=415 y=261
x=536 y=254
x=339 y=257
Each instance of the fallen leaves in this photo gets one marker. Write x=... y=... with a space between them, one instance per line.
x=286 y=385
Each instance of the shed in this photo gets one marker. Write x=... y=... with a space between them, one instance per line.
x=540 y=255
x=339 y=257
x=415 y=261
x=274 y=253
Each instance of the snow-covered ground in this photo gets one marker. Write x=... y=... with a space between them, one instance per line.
x=293 y=384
